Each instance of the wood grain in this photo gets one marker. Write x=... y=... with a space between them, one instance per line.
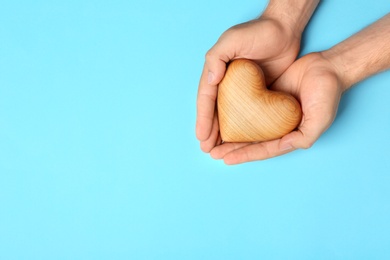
x=248 y=111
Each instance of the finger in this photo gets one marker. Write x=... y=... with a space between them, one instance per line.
x=213 y=72
x=254 y=152
x=220 y=151
x=219 y=139
x=304 y=137
x=216 y=59
x=284 y=84
x=207 y=95
x=211 y=142
x=308 y=132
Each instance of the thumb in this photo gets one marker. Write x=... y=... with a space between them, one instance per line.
x=305 y=136
x=216 y=59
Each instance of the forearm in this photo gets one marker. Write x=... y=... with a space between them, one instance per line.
x=294 y=13
x=363 y=54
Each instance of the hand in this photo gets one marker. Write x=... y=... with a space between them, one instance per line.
x=317 y=80
x=270 y=43
x=316 y=83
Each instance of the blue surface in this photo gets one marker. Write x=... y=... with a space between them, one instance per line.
x=98 y=156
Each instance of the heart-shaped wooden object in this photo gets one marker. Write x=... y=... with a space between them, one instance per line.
x=248 y=111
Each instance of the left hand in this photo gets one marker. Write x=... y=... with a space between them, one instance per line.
x=271 y=43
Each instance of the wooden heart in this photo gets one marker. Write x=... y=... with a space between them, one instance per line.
x=248 y=111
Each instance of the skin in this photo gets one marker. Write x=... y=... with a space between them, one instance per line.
x=314 y=82
x=318 y=80
x=272 y=41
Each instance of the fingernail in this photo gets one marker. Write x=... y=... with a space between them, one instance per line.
x=285 y=147
x=210 y=77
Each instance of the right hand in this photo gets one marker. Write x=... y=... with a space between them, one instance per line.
x=271 y=44
x=318 y=85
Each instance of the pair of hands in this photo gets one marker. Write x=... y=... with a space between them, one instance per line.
x=274 y=46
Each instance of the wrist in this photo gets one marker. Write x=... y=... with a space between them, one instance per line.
x=292 y=14
x=336 y=60
x=363 y=54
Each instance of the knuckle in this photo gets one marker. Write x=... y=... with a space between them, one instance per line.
x=328 y=119
x=233 y=33
x=307 y=144
x=231 y=30
x=209 y=54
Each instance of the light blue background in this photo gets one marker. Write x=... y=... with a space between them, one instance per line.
x=98 y=156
